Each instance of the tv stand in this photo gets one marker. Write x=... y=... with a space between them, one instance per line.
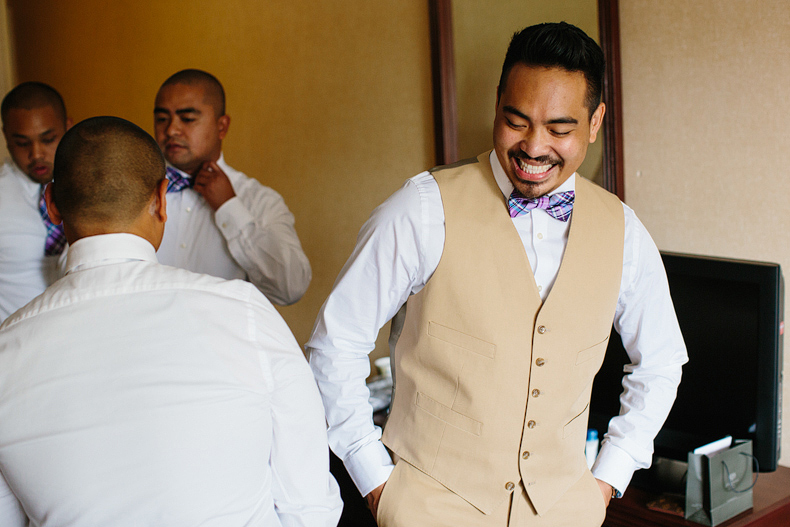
x=771 y=507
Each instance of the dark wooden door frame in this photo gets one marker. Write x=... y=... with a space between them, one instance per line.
x=446 y=109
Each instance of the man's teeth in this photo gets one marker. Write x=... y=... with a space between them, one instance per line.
x=532 y=169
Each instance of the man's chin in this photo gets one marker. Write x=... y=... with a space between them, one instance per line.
x=180 y=163
x=535 y=189
x=532 y=189
x=41 y=179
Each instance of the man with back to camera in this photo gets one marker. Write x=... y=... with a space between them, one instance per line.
x=124 y=399
x=34 y=120
x=499 y=346
x=222 y=222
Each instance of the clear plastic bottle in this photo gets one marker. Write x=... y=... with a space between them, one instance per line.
x=591 y=447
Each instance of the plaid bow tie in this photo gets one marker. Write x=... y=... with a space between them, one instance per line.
x=176 y=182
x=56 y=240
x=558 y=206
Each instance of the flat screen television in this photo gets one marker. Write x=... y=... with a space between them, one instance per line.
x=731 y=315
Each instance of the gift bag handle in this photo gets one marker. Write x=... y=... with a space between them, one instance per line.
x=731 y=476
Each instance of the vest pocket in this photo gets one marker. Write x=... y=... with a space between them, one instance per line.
x=592 y=352
x=448 y=415
x=577 y=425
x=462 y=340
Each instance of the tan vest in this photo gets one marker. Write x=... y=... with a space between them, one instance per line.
x=493 y=385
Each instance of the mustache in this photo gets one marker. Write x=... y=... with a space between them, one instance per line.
x=542 y=160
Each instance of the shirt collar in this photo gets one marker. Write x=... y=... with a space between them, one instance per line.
x=507 y=187
x=220 y=162
x=105 y=249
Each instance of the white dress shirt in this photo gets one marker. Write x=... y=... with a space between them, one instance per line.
x=133 y=393
x=397 y=251
x=24 y=269
x=250 y=237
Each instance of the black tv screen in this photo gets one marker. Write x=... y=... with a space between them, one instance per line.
x=730 y=313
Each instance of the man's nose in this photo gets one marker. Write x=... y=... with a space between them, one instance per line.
x=36 y=151
x=173 y=128
x=535 y=142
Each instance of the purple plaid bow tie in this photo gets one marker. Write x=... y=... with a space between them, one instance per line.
x=176 y=182
x=56 y=240
x=558 y=206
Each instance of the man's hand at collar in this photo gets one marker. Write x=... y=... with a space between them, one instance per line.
x=213 y=184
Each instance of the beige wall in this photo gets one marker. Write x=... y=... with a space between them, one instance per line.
x=482 y=32
x=706 y=146
x=330 y=101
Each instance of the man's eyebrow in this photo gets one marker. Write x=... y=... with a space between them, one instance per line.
x=510 y=109
x=563 y=120
x=558 y=120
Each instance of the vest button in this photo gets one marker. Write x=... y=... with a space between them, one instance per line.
x=542 y=329
x=531 y=424
x=535 y=392
x=540 y=361
x=509 y=485
x=525 y=455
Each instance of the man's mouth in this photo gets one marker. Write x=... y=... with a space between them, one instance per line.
x=532 y=172
x=174 y=146
x=39 y=170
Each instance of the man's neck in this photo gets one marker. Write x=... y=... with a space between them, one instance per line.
x=194 y=171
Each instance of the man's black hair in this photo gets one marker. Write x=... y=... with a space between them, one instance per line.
x=558 y=45
x=192 y=77
x=30 y=95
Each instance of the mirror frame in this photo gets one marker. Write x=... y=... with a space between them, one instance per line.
x=444 y=93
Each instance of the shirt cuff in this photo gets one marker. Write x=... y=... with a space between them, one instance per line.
x=369 y=467
x=231 y=216
x=615 y=467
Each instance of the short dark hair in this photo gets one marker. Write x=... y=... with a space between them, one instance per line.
x=558 y=45
x=30 y=95
x=106 y=170
x=214 y=89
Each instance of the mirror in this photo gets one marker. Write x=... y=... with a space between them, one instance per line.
x=469 y=40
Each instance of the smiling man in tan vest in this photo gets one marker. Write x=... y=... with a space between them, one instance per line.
x=513 y=269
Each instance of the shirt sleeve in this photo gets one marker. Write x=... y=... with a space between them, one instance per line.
x=11 y=512
x=386 y=266
x=645 y=319
x=259 y=230
x=304 y=492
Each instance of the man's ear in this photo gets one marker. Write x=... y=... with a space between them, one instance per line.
x=69 y=122
x=596 y=121
x=160 y=202
x=223 y=124
x=52 y=209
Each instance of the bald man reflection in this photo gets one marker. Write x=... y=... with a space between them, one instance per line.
x=124 y=400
